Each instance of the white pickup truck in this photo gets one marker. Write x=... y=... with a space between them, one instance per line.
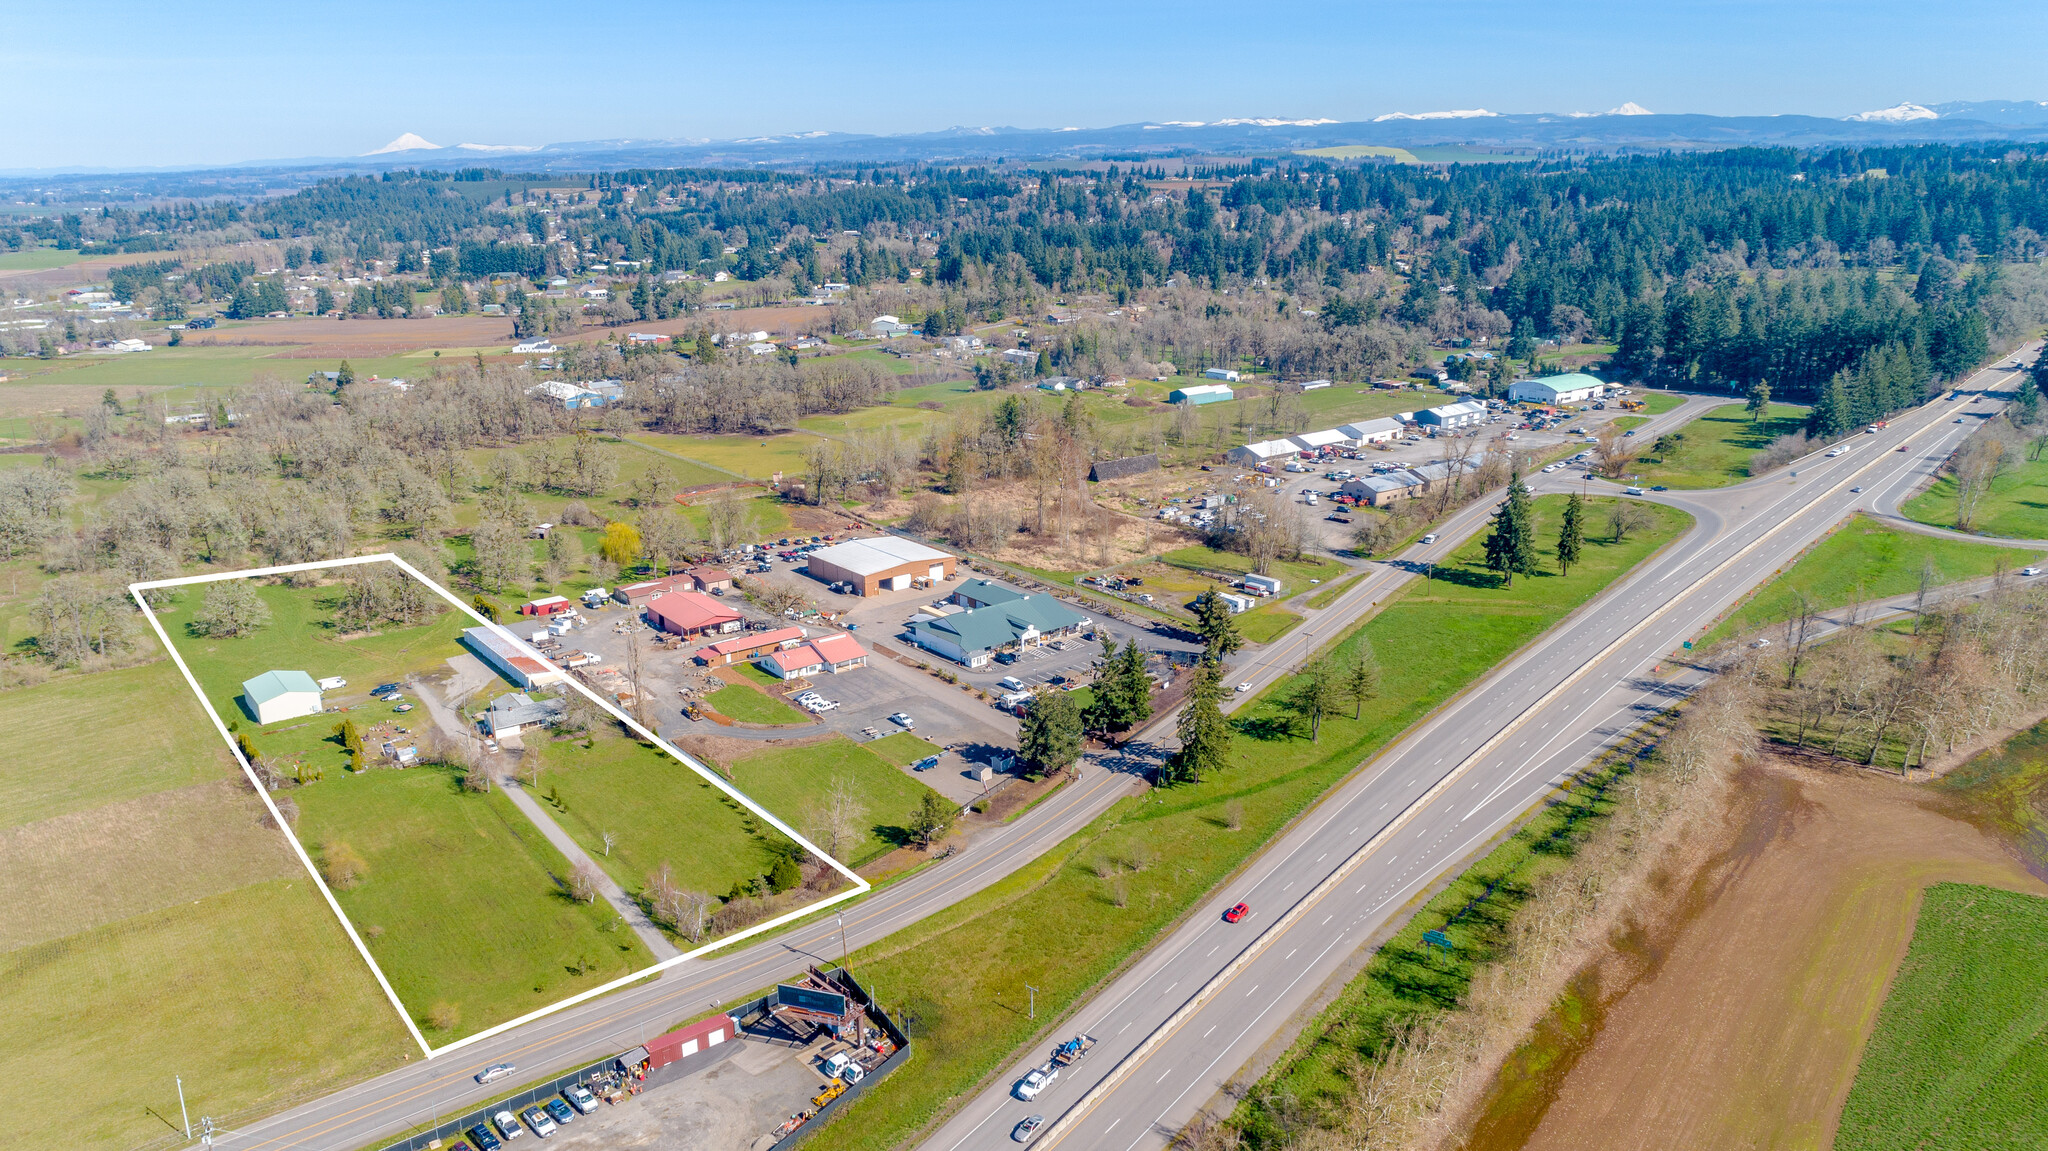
x=1036 y=1080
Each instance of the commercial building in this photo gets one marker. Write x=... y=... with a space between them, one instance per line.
x=1571 y=388
x=710 y=579
x=1317 y=441
x=1201 y=394
x=1457 y=415
x=519 y=664
x=280 y=695
x=827 y=653
x=1377 y=431
x=636 y=594
x=1005 y=619
x=691 y=613
x=1263 y=452
x=741 y=648
x=884 y=563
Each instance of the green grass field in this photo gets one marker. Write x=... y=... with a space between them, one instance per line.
x=659 y=811
x=901 y=749
x=2016 y=507
x=1057 y=926
x=464 y=902
x=1716 y=447
x=1865 y=559
x=253 y=995
x=754 y=457
x=1266 y=624
x=196 y=367
x=38 y=259
x=750 y=706
x=1657 y=403
x=1293 y=574
x=791 y=781
x=1957 y=1059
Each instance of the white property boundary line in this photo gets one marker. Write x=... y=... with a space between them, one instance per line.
x=860 y=886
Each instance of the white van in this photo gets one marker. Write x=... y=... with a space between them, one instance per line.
x=1012 y=683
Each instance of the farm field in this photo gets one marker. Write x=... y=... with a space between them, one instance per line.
x=753 y=457
x=38 y=259
x=1714 y=450
x=1867 y=560
x=150 y=906
x=1956 y=1060
x=199 y=367
x=1061 y=927
x=1762 y=979
x=2016 y=506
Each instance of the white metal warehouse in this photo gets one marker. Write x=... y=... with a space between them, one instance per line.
x=884 y=563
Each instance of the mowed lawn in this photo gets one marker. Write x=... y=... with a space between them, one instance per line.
x=1716 y=448
x=901 y=749
x=253 y=995
x=1057 y=925
x=1866 y=560
x=792 y=782
x=750 y=705
x=463 y=902
x=1266 y=624
x=1957 y=1060
x=659 y=811
x=2016 y=506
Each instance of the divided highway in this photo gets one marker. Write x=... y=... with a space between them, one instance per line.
x=1178 y=1025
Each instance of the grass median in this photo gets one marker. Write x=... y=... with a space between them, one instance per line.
x=1865 y=560
x=1069 y=920
x=1715 y=449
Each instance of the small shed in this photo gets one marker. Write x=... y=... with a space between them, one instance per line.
x=710 y=579
x=551 y=605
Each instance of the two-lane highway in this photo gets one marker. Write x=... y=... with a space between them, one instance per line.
x=1183 y=1019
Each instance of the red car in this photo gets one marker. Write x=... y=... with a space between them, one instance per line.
x=1237 y=913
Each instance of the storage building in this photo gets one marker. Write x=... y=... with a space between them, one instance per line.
x=1263 y=452
x=1317 y=441
x=1453 y=415
x=281 y=695
x=1124 y=468
x=636 y=594
x=508 y=657
x=1371 y=431
x=684 y=1042
x=834 y=653
x=884 y=563
x=1229 y=374
x=1201 y=394
x=691 y=613
x=1571 y=388
x=549 y=606
x=710 y=579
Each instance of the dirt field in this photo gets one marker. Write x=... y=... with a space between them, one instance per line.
x=1739 y=1022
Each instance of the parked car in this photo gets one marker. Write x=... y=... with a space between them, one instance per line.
x=507 y=1125
x=484 y=1140
x=902 y=719
x=581 y=1099
x=559 y=1111
x=384 y=688
x=392 y=697
x=543 y=1124
x=1010 y=657
x=495 y=1072
x=1026 y=1128
x=1237 y=913
x=1012 y=683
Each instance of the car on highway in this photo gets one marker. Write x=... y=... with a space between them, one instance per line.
x=484 y=1140
x=1836 y=452
x=1857 y=488
x=559 y=1111
x=1237 y=913
x=1633 y=491
x=507 y=1125
x=2030 y=571
x=495 y=1072
x=1035 y=1081
x=1026 y=1128
x=1902 y=447
x=1244 y=687
x=902 y=719
x=581 y=1099
x=1959 y=419
x=1659 y=488
x=537 y=1118
x=1430 y=538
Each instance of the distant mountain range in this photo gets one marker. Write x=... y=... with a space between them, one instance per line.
x=1629 y=127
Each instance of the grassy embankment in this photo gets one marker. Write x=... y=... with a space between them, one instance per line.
x=150 y=911
x=1059 y=926
x=1714 y=450
x=1328 y=595
x=750 y=705
x=2016 y=506
x=792 y=781
x=1956 y=1060
x=1864 y=560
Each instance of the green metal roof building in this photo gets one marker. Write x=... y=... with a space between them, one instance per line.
x=1009 y=618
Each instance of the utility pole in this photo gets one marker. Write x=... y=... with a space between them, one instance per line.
x=1034 y=1000
x=841 y=917
x=182 y=1113
x=206 y=1131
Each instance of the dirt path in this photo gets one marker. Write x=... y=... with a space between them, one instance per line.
x=1740 y=1022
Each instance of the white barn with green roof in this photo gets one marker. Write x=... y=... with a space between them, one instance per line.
x=276 y=696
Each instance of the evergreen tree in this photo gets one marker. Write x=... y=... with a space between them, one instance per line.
x=1361 y=677
x=1831 y=416
x=323 y=301
x=1219 y=630
x=1511 y=547
x=352 y=743
x=1204 y=733
x=1571 y=535
x=1759 y=400
x=1049 y=739
x=1123 y=693
x=344 y=376
x=1317 y=689
x=706 y=352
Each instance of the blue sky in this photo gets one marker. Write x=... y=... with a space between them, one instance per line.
x=118 y=83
